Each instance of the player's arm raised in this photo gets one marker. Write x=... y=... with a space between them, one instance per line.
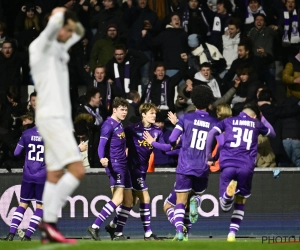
x=77 y=35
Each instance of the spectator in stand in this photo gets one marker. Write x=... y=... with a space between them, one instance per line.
x=202 y=52
x=289 y=23
x=264 y=37
x=108 y=90
x=246 y=57
x=141 y=19
x=93 y=101
x=194 y=20
x=161 y=159
x=110 y=14
x=103 y=49
x=28 y=25
x=172 y=42
x=254 y=8
x=124 y=68
x=291 y=76
x=231 y=39
x=30 y=106
x=161 y=90
x=2 y=33
x=11 y=62
x=220 y=23
x=247 y=90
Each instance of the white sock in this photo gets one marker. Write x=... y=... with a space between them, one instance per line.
x=64 y=187
x=148 y=234
x=48 y=196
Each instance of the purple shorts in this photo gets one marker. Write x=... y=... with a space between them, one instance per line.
x=31 y=192
x=138 y=180
x=119 y=177
x=186 y=183
x=243 y=178
x=171 y=199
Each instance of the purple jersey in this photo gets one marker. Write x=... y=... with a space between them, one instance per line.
x=192 y=156
x=240 y=140
x=34 y=170
x=139 y=150
x=113 y=142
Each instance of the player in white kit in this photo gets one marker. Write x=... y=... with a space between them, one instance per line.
x=48 y=61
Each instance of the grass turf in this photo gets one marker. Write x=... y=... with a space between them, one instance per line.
x=142 y=245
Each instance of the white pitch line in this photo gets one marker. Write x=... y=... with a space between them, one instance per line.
x=51 y=246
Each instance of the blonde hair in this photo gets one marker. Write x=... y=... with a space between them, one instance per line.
x=32 y=22
x=145 y=107
x=223 y=111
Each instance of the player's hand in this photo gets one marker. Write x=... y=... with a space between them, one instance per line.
x=148 y=138
x=83 y=146
x=172 y=117
x=104 y=162
x=58 y=9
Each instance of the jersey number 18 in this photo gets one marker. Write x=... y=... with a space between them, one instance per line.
x=198 y=139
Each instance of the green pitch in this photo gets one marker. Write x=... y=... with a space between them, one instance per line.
x=219 y=244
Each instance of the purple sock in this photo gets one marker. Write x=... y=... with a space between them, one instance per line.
x=187 y=221
x=115 y=220
x=237 y=217
x=170 y=214
x=122 y=218
x=106 y=211
x=226 y=202
x=179 y=212
x=145 y=216
x=17 y=219
x=34 y=222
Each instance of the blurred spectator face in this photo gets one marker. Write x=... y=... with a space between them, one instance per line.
x=254 y=5
x=120 y=55
x=161 y=125
x=193 y=4
x=70 y=4
x=66 y=31
x=112 y=32
x=175 y=22
x=95 y=100
x=221 y=9
x=142 y=3
x=244 y=78
x=108 y=4
x=30 y=13
x=7 y=50
x=205 y=72
x=242 y=53
x=259 y=22
x=160 y=72
x=233 y=31
x=290 y=5
x=99 y=74
x=85 y=42
x=32 y=102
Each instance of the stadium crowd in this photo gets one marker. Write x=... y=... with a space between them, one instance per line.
x=157 y=51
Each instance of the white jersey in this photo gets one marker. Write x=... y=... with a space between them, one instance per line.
x=49 y=70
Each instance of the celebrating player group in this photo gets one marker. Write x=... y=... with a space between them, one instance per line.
x=125 y=152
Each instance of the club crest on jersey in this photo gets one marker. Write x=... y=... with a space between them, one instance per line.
x=121 y=135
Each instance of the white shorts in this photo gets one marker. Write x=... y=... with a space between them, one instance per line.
x=60 y=145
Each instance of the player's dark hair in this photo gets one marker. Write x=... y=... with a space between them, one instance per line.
x=99 y=66
x=236 y=22
x=118 y=101
x=32 y=94
x=70 y=15
x=90 y=93
x=145 y=107
x=265 y=95
x=120 y=46
x=202 y=96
